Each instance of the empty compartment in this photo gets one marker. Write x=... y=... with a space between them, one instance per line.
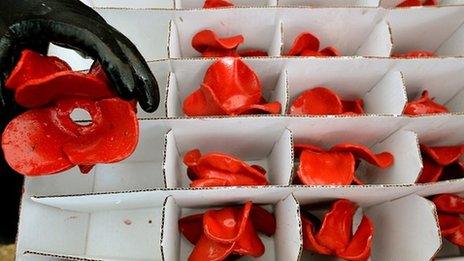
x=142 y=170
x=284 y=244
x=435 y=30
x=189 y=4
x=90 y=232
x=382 y=93
x=270 y=149
x=264 y=34
x=406 y=223
x=187 y=76
x=330 y=3
x=402 y=145
x=355 y=32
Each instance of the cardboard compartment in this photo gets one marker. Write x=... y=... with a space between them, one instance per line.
x=406 y=223
x=271 y=150
x=329 y=3
x=159 y=4
x=355 y=32
x=394 y=3
x=90 y=233
x=382 y=94
x=284 y=245
x=438 y=30
x=198 y=4
x=142 y=170
x=264 y=34
x=402 y=144
x=187 y=76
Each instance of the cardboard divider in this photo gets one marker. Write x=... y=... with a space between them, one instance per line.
x=402 y=144
x=132 y=4
x=355 y=32
x=284 y=245
x=273 y=151
x=90 y=235
x=382 y=94
x=195 y=4
x=437 y=30
x=330 y=3
x=405 y=223
x=182 y=82
x=264 y=34
x=142 y=170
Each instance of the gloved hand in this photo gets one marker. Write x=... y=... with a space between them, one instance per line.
x=33 y=24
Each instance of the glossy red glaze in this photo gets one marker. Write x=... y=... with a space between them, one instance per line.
x=300 y=147
x=309 y=238
x=263 y=221
x=443 y=155
x=192 y=227
x=382 y=160
x=326 y=168
x=207 y=249
x=457 y=237
x=415 y=54
x=359 y=248
x=317 y=101
x=249 y=243
x=217 y=3
x=306 y=44
x=410 y=3
x=424 y=105
x=32 y=66
x=205 y=39
x=356 y=106
x=449 y=224
x=226 y=225
x=449 y=203
x=229 y=87
x=47 y=141
x=431 y=171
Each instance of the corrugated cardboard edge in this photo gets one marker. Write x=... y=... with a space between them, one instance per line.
x=61 y=257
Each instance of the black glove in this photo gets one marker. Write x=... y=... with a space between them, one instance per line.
x=33 y=24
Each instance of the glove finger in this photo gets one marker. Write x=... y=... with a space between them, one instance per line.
x=146 y=88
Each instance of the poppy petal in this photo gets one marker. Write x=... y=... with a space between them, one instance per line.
x=32 y=143
x=308 y=52
x=214 y=52
x=259 y=168
x=300 y=147
x=207 y=249
x=61 y=85
x=431 y=171
x=32 y=66
x=326 y=168
x=226 y=225
x=268 y=108
x=85 y=169
x=118 y=141
x=424 y=105
x=205 y=39
x=209 y=182
x=317 y=101
x=336 y=229
x=359 y=247
x=355 y=106
x=304 y=41
x=202 y=102
x=217 y=3
x=252 y=53
x=430 y=3
x=263 y=221
x=191 y=158
x=382 y=160
x=249 y=242
x=408 y=3
x=457 y=237
x=191 y=227
x=443 y=155
x=330 y=51
x=449 y=224
x=309 y=239
x=449 y=203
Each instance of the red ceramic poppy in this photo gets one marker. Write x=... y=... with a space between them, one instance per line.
x=217 y=3
x=46 y=141
x=38 y=80
x=230 y=87
x=449 y=203
x=323 y=101
x=217 y=169
x=415 y=54
x=449 y=224
x=335 y=236
x=227 y=232
x=440 y=163
x=336 y=166
x=306 y=44
x=409 y=3
x=424 y=105
x=209 y=44
x=449 y=208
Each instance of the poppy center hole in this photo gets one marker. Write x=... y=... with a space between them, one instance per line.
x=81 y=117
